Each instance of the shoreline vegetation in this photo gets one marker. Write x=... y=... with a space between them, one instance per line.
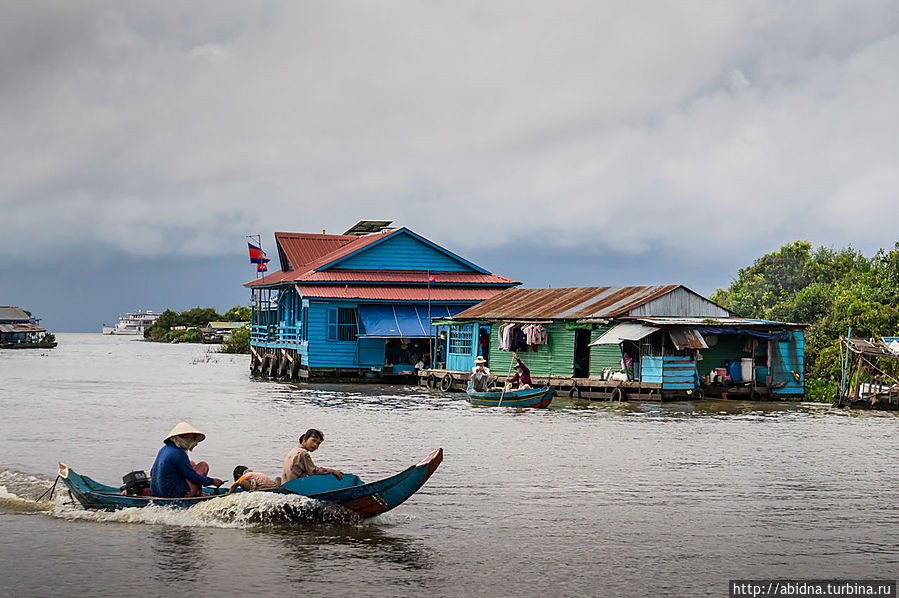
x=830 y=290
x=186 y=327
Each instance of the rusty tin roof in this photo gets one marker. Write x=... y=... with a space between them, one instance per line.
x=564 y=304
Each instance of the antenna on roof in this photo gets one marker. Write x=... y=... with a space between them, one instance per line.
x=366 y=227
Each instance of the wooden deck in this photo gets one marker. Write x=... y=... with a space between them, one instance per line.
x=583 y=388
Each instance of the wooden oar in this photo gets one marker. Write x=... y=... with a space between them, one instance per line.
x=502 y=394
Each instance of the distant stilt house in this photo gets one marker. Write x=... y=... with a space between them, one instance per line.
x=646 y=342
x=18 y=330
x=358 y=305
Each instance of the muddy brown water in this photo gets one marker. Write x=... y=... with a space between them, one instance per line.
x=579 y=499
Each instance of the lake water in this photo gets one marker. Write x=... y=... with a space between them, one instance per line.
x=580 y=499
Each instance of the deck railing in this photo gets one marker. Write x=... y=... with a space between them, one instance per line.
x=275 y=333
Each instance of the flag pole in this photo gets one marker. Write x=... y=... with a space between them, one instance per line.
x=430 y=338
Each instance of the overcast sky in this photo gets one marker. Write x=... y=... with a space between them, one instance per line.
x=559 y=143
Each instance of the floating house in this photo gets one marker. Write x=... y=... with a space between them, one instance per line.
x=219 y=332
x=866 y=382
x=358 y=305
x=640 y=342
x=18 y=330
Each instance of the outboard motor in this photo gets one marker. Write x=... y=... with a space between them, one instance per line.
x=135 y=483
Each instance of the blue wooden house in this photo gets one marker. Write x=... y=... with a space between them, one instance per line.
x=358 y=305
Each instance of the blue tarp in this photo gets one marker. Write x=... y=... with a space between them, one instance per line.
x=770 y=336
x=411 y=321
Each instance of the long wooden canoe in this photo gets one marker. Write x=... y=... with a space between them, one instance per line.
x=350 y=493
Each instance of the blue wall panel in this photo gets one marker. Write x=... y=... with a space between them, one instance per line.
x=403 y=252
x=372 y=351
x=322 y=352
x=651 y=369
x=463 y=362
x=678 y=373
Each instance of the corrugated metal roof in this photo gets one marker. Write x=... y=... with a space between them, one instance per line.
x=565 y=304
x=19 y=328
x=686 y=338
x=628 y=331
x=306 y=252
x=304 y=248
x=12 y=313
x=398 y=276
x=375 y=293
x=713 y=322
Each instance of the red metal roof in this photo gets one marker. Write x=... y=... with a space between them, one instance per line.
x=375 y=293
x=564 y=304
x=398 y=276
x=304 y=248
x=305 y=252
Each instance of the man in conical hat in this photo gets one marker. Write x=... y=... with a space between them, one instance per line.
x=174 y=475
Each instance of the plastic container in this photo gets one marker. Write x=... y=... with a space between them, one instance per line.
x=746 y=368
x=734 y=371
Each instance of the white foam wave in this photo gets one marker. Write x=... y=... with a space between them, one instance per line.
x=240 y=510
x=7 y=495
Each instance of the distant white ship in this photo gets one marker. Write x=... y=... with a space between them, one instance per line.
x=133 y=323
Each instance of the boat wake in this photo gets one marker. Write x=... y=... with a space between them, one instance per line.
x=19 y=492
x=241 y=510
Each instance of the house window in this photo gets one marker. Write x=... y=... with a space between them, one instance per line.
x=342 y=323
x=460 y=340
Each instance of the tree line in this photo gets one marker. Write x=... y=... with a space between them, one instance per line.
x=828 y=289
x=184 y=327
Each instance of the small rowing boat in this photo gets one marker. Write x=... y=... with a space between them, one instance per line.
x=530 y=397
x=350 y=493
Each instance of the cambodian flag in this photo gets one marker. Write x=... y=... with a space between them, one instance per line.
x=261 y=267
x=432 y=277
x=257 y=256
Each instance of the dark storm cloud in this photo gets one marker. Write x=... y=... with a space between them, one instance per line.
x=174 y=129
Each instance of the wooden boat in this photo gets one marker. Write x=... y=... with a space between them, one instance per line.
x=530 y=397
x=350 y=493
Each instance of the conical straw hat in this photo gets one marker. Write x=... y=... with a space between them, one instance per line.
x=185 y=428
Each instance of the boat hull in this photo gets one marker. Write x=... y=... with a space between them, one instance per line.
x=531 y=397
x=351 y=494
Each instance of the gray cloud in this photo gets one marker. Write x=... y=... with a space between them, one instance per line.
x=175 y=129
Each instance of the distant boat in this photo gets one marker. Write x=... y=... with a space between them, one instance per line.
x=133 y=323
x=529 y=397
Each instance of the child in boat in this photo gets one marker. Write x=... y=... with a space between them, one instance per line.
x=522 y=378
x=298 y=463
x=252 y=480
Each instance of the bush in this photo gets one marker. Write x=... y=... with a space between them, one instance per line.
x=820 y=390
x=191 y=335
x=238 y=342
x=48 y=338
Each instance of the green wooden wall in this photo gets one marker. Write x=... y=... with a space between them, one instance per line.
x=603 y=356
x=728 y=348
x=553 y=359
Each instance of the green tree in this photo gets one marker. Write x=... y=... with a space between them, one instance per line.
x=238 y=313
x=238 y=342
x=828 y=289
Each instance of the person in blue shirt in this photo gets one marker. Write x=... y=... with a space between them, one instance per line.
x=173 y=474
